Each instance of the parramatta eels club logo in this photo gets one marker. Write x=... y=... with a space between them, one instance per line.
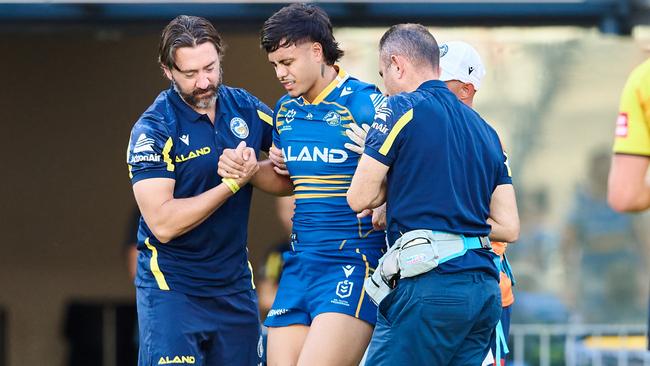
x=332 y=118
x=239 y=127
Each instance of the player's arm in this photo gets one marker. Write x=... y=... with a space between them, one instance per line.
x=504 y=216
x=268 y=180
x=170 y=217
x=232 y=164
x=368 y=188
x=628 y=189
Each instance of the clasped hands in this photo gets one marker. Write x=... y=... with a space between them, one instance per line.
x=239 y=164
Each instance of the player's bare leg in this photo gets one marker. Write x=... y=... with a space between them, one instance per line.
x=335 y=339
x=284 y=344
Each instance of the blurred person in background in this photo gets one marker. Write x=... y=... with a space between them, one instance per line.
x=602 y=253
x=628 y=186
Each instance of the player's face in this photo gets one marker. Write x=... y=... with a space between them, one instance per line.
x=297 y=67
x=197 y=75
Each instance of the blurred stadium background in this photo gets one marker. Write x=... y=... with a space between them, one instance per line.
x=77 y=75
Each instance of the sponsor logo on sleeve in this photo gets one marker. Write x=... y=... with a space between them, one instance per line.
x=621 y=125
x=143 y=144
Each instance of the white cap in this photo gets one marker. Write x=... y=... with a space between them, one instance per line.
x=460 y=61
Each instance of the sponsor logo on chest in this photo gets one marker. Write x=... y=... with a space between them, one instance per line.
x=315 y=154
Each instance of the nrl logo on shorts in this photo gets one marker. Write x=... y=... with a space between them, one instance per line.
x=332 y=118
x=344 y=289
x=239 y=127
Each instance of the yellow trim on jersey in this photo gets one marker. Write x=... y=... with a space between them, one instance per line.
x=265 y=117
x=155 y=269
x=328 y=89
x=362 y=235
x=365 y=260
x=250 y=267
x=633 y=124
x=401 y=122
x=308 y=188
x=507 y=163
x=339 y=176
x=128 y=155
x=321 y=195
x=342 y=244
x=320 y=181
x=165 y=153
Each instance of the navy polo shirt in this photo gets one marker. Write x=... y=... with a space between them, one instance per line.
x=171 y=140
x=445 y=161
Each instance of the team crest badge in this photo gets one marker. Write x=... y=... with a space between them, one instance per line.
x=344 y=289
x=239 y=127
x=332 y=118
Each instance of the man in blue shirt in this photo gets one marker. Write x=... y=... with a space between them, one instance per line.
x=195 y=298
x=442 y=172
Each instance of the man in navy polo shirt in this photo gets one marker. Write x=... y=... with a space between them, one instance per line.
x=195 y=297
x=442 y=172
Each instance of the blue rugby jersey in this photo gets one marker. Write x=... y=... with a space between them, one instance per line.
x=171 y=140
x=445 y=161
x=311 y=136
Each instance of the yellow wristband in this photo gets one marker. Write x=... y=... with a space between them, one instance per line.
x=232 y=184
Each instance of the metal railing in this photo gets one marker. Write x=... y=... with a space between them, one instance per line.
x=567 y=344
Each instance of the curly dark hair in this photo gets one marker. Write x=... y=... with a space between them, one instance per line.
x=298 y=23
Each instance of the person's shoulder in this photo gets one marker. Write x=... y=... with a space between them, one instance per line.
x=639 y=78
x=238 y=97
x=402 y=102
x=642 y=71
x=157 y=115
x=355 y=86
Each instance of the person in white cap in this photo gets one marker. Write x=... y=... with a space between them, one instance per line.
x=461 y=68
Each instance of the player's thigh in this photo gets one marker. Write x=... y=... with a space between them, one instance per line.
x=237 y=338
x=335 y=339
x=284 y=344
x=165 y=336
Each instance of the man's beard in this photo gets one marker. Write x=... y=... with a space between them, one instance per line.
x=198 y=98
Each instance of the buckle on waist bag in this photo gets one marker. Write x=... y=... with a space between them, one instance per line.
x=485 y=242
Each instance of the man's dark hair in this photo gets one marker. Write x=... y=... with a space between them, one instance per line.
x=412 y=41
x=298 y=23
x=186 y=31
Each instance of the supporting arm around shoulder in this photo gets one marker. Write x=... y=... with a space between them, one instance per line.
x=504 y=216
x=368 y=188
x=628 y=189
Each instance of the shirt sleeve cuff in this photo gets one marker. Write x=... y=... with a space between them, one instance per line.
x=377 y=156
x=152 y=174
